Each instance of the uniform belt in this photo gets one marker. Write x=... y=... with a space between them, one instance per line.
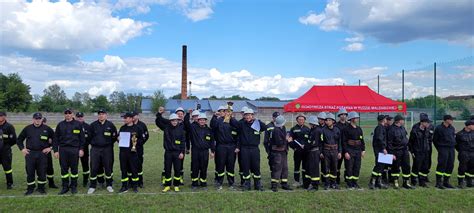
x=330 y=146
x=278 y=148
x=354 y=142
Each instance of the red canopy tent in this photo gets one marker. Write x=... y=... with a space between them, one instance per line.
x=352 y=98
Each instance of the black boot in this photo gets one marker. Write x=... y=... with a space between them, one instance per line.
x=414 y=180
x=140 y=181
x=327 y=184
x=242 y=181
x=85 y=179
x=379 y=184
x=41 y=189
x=372 y=182
x=423 y=182
x=73 y=185
x=469 y=182
x=314 y=186
x=306 y=182
x=349 y=184
x=274 y=187
x=247 y=185
x=439 y=182
x=65 y=185
x=384 y=177
x=258 y=185
x=285 y=186
x=297 y=176
x=9 y=178
x=338 y=178
x=30 y=189
x=406 y=184
x=51 y=184
x=355 y=185
x=461 y=183
x=124 y=188
x=446 y=183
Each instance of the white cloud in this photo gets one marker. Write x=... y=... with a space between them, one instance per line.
x=399 y=21
x=368 y=72
x=195 y=10
x=354 y=47
x=63 y=27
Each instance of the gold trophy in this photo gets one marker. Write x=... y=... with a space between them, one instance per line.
x=134 y=143
x=229 y=115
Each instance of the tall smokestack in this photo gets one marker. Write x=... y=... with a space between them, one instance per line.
x=184 y=74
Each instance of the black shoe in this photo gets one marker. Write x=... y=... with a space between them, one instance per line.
x=312 y=188
x=52 y=186
x=274 y=187
x=407 y=185
x=41 y=191
x=286 y=187
x=247 y=186
x=372 y=183
x=29 y=191
x=9 y=186
x=64 y=191
x=326 y=186
x=439 y=186
x=123 y=189
x=355 y=185
x=135 y=189
x=448 y=186
x=140 y=185
x=423 y=184
x=73 y=190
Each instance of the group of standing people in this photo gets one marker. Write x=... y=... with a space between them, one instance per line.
x=321 y=144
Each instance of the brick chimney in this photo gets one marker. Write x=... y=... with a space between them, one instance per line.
x=184 y=74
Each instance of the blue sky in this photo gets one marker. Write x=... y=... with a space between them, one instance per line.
x=270 y=48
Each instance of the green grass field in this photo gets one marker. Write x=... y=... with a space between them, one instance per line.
x=150 y=198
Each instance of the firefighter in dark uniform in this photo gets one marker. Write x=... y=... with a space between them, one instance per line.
x=7 y=140
x=68 y=145
x=313 y=153
x=322 y=122
x=103 y=135
x=226 y=143
x=278 y=144
x=239 y=158
x=266 y=138
x=465 y=147
x=341 y=124
x=174 y=138
x=49 y=167
x=386 y=174
x=140 y=149
x=421 y=137
x=129 y=153
x=202 y=140
x=397 y=144
x=37 y=136
x=249 y=135
x=444 y=140
x=332 y=149
x=353 y=146
x=300 y=135
x=379 y=144
x=85 y=158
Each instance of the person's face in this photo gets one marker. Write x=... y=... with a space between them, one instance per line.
x=128 y=120
x=227 y=112
x=401 y=122
x=195 y=118
x=80 y=119
x=68 y=115
x=300 y=120
x=135 y=118
x=180 y=115
x=248 y=117
x=383 y=121
x=321 y=121
x=174 y=122
x=471 y=127
x=450 y=122
x=329 y=122
x=425 y=124
x=202 y=122
x=2 y=119
x=355 y=120
x=342 y=117
x=37 y=122
x=390 y=122
x=102 y=117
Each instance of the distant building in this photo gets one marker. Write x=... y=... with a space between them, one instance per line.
x=460 y=97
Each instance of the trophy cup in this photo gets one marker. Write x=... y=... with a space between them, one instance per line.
x=229 y=115
x=134 y=143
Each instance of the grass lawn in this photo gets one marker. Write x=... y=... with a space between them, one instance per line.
x=150 y=198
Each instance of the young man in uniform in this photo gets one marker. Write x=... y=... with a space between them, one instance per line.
x=332 y=149
x=444 y=140
x=85 y=158
x=465 y=147
x=420 y=140
x=300 y=135
x=278 y=145
x=397 y=144
x=379 y=144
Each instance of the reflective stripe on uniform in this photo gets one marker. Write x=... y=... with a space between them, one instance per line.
x=74 y=176
x=9 y=171
x=125 y=179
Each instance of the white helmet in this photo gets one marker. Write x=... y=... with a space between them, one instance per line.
x=195 y=113
x=341 y=111
x=280 y=121
x=352 y=115
x=330 y=116
x=322 y=115
x=248 y=111
x=221 y=108
x=313 y=120
x=244 y=108
x=202 y=116
x=179 y=109
x=173 y=117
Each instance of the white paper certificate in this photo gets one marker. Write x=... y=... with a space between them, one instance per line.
x=386 y=159
x=124 y=140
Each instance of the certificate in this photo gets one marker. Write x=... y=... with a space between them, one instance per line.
x=386 y=159
x=124 y=140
